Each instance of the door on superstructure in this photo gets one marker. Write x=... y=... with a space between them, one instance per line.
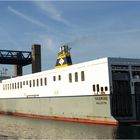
x=137 y=98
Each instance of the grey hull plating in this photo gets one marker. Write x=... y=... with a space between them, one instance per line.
x=93 y=108
x=84 y=107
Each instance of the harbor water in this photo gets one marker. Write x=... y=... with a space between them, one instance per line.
x=12 y=127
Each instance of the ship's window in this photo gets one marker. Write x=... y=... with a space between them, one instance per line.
x=54 y=78
x=102 y=89
x=12 y=85
x=41 y=83
x=82 y=76
x=26 y=82
x=23 y=82
x=8 y=86
x=30 y=83
x=37 y=82
x=70 y=77
x=20 y=84
x=15 y=86
x=33 y=83
x=76 y=77
x=106 y=88
x=59 y=77
x=45 y=81
x=97 y=87
x=94 y=88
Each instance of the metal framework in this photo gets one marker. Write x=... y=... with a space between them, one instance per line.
x=21 y=58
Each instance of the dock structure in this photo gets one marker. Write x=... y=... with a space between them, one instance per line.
x=36 y=58
x=22 y=58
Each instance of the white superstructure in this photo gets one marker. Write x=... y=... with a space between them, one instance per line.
x=75 y=80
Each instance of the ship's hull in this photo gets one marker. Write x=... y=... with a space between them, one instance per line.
x=90 y=109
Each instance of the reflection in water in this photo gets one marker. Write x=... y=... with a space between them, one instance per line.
x=20 y=127
x=128 y=132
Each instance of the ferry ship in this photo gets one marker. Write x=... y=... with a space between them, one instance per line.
x=102 y=91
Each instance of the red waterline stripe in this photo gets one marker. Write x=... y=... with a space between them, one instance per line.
x=61 y=118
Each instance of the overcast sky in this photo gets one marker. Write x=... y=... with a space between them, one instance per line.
x=92 y=29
